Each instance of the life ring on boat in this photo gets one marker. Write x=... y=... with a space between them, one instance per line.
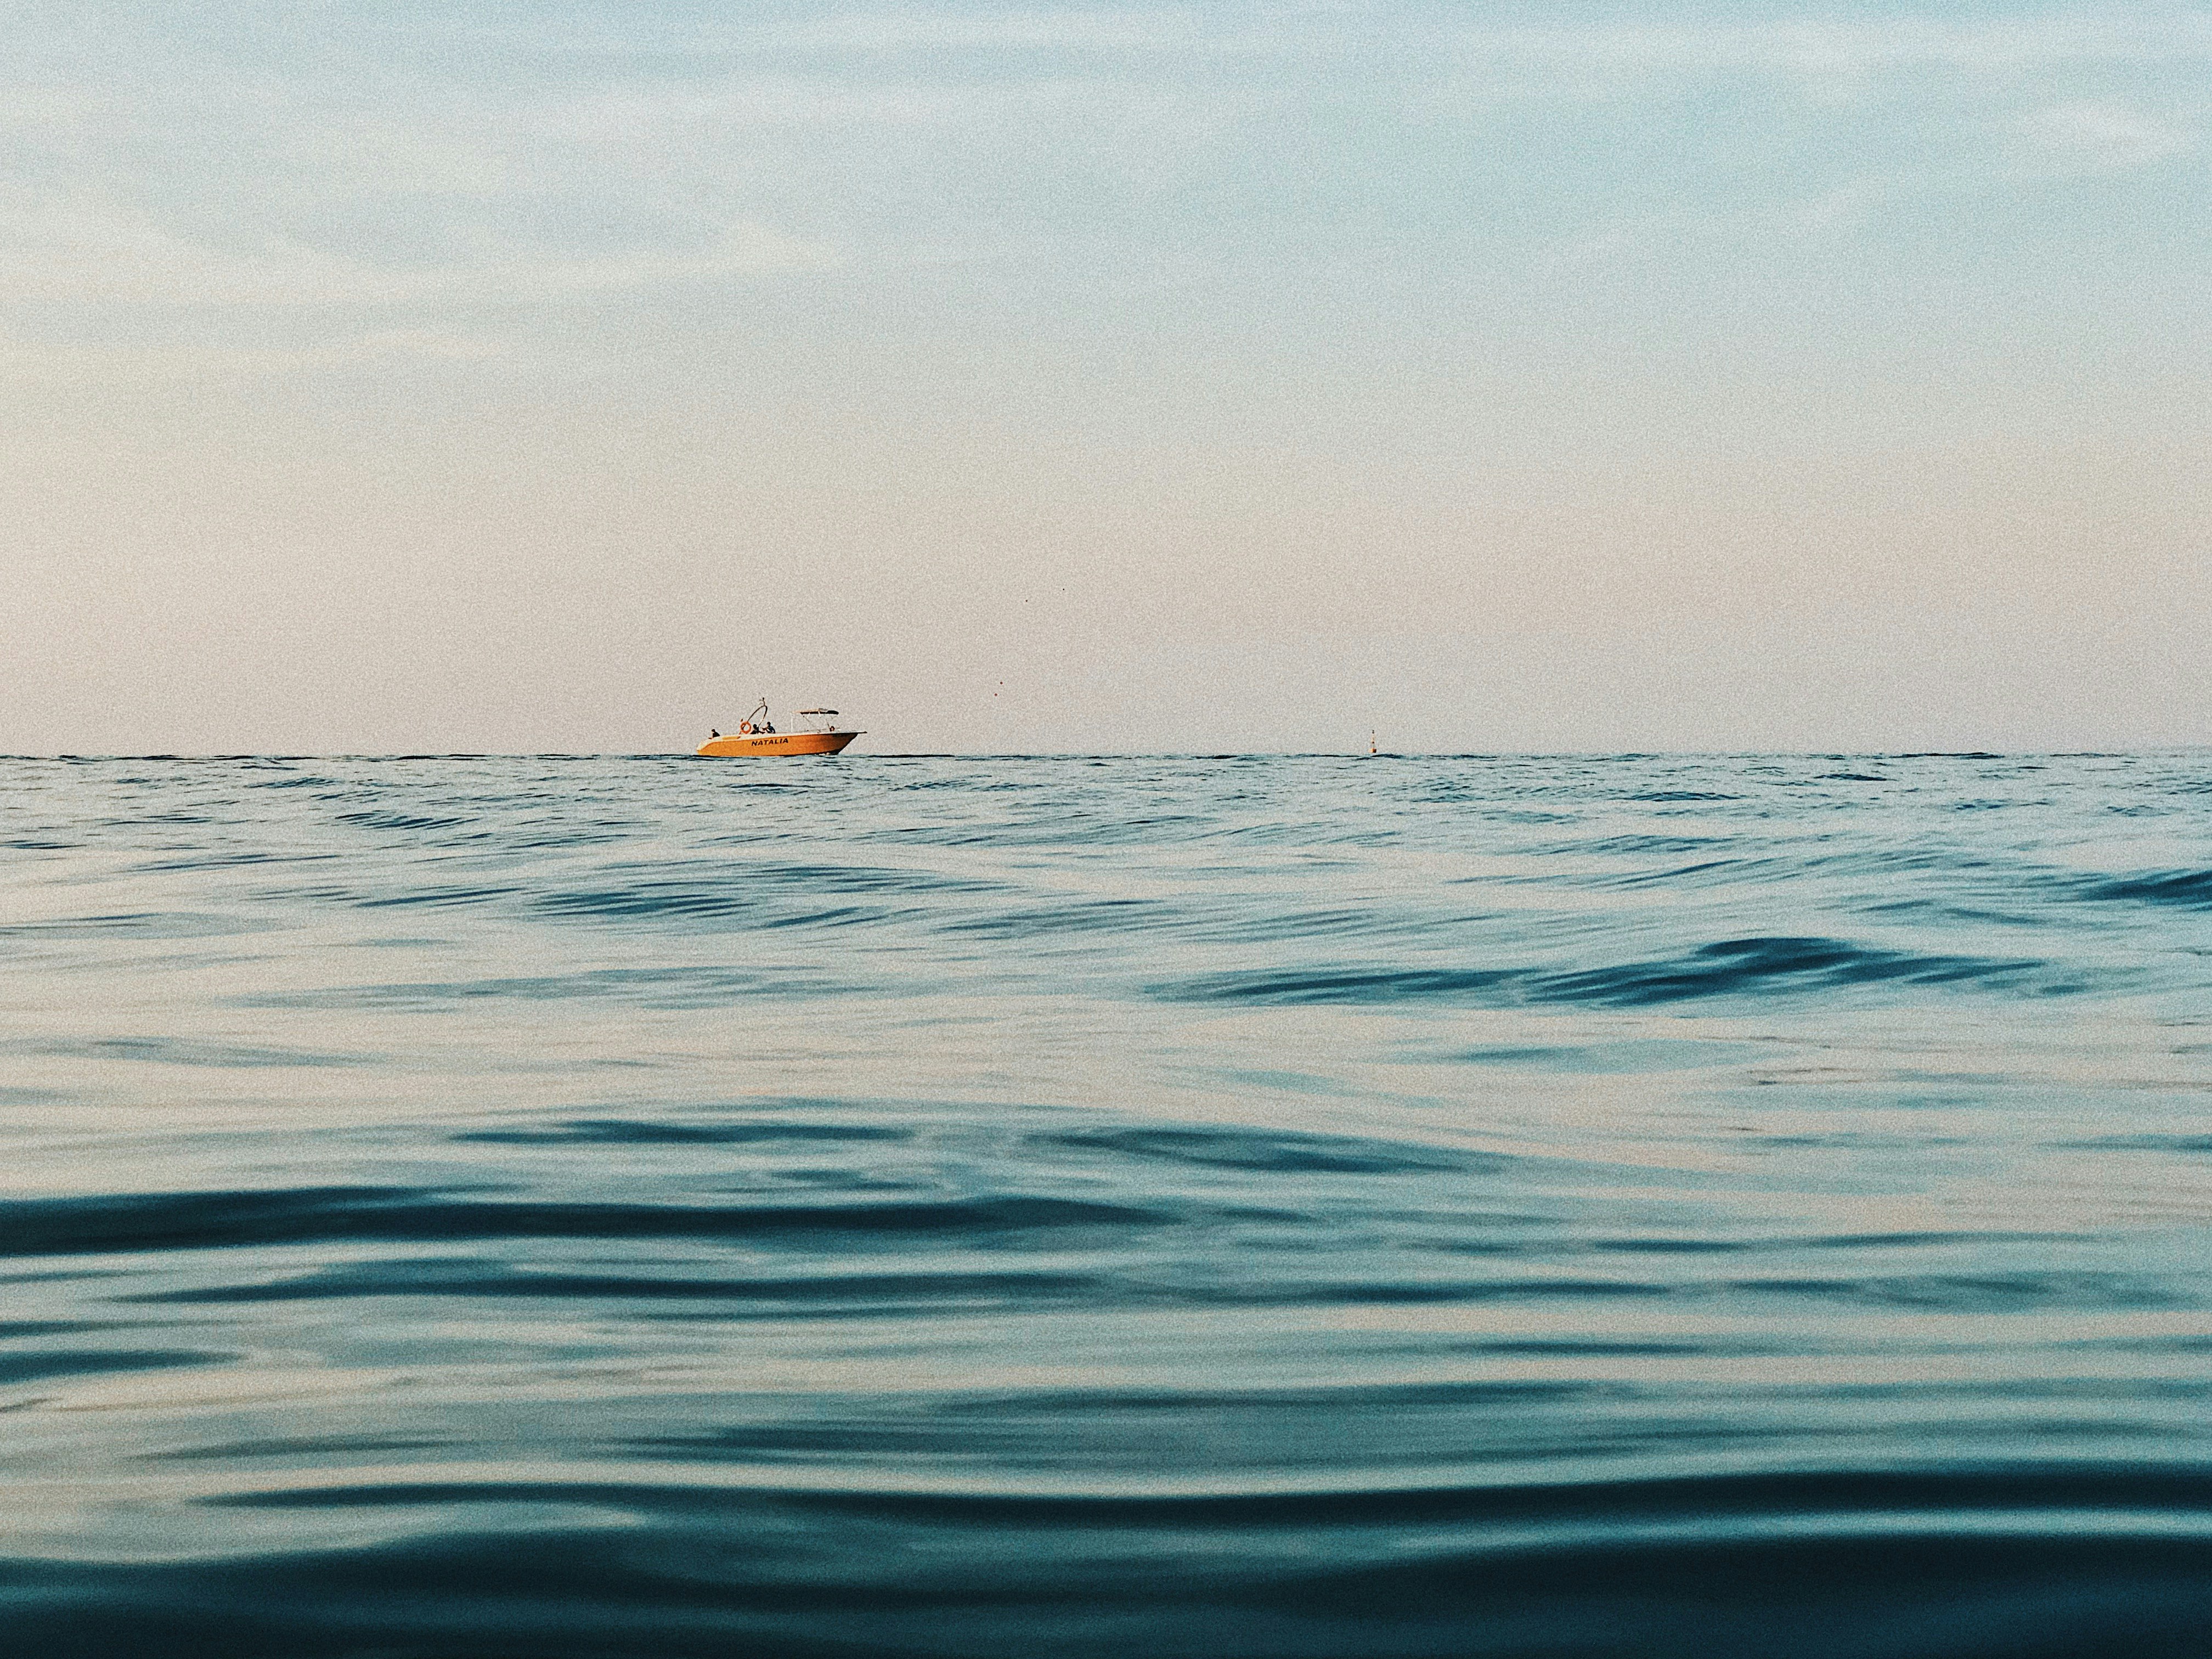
x=745 y=726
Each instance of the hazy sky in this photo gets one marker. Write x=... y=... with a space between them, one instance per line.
x=562 y=373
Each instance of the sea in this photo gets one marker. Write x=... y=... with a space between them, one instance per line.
x=1211 y=1208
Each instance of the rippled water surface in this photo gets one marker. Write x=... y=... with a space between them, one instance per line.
x=1217 y=1207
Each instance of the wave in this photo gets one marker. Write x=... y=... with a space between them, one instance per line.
x=766 y=894
x=245 y=858
x=416 y=822
x=674 y=988
x=439 y=898
x=1727 y=968
x=185 y=1051
x=1735 y=967
x=626 y=1131
x=2022 y=1563
x=847 y=1295
x=111 y=1223
x=18 y=1368
x=1094 y=915
x=1263 y=1151
x=844 y=1295
x=136 y=925
x=2188 y=889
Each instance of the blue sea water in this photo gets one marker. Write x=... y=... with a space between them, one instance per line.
x=1234 y=1207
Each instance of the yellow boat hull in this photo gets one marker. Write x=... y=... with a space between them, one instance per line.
x=743 y=744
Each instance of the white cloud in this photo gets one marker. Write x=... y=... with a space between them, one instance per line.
x=924 y=132
x=79 y=249
x=2109 y=137
x=70 y=364
x=933 y=35
x=1821 y=59
x=1065 y=28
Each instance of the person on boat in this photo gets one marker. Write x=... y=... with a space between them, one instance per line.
x=712 y=732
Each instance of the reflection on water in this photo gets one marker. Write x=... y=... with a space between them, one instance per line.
x=1235 y=1206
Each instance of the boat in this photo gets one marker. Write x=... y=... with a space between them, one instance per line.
x=757 y=735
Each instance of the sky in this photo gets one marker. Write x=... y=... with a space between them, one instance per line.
x=565 y=374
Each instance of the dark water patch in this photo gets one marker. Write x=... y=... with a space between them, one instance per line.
x=1598 y=1348
x=141 y=924
x=766 y=876
x=1634 y=845
x=836 y=915
x=1808 y=1567
x=1759 y=966
x=1276 y=1078
x=1094 y=915
x=2026 y=1488
x=644 y=987
x=1888 y=862
x=1189 y=1429
x=625 y=1131
x=294 y=1448
x=668 y=900
x=216 y=1220
x=850 y=1295
x=1274 y=1153
x=1110 y=822
x=570 y=838
x=1631 y=1056
x=1926 y=913
x=1731 y=968
x=1926 y=1240
x=183 y=1051
x=1345 y=922
x=431 y=898
x=766 y=900
x=1994 y=1293
x=401 y=821
x=2188 y=889
x=1705 y=873
x=18 y=1368
x=1670 y=1246
x=245 y=857
x=2138 y=1143
x=16 y=1094
x=1347 y=985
